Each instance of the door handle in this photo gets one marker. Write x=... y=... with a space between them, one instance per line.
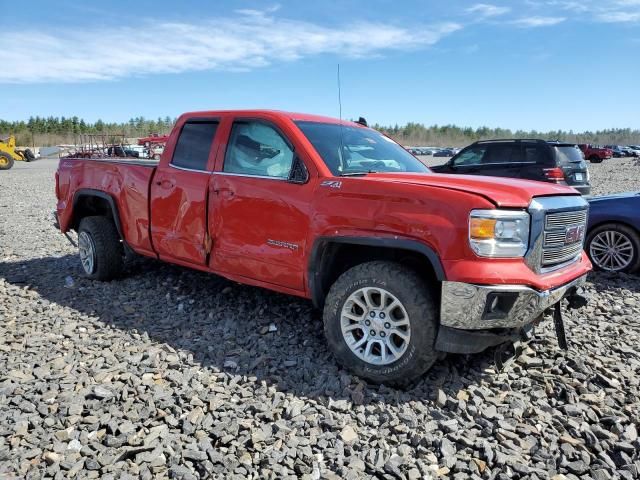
x=224 y=192
x=165 y=183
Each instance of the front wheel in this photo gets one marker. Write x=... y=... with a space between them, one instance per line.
x=6 y=161
x=595 y=159
x=614 y=247
x=380 y=323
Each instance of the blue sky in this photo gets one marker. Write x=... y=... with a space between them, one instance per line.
x=530 y=64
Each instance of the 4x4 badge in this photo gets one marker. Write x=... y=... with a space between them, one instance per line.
x=331 y=184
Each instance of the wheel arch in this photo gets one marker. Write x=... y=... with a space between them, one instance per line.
x=613 y=222
x=87 y=202
x=332 y=256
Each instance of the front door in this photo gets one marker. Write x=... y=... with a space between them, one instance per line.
x=179 y=192
x=259 y=218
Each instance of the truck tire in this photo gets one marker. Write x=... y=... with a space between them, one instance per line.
x=101 y=251
x=595 y=159
x=614 y=247
x=28 y=155
x=6 y=161
x=380 y=322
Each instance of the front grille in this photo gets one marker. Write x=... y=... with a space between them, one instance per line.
x=555 y=251
x=553 y=256
x=561 y=220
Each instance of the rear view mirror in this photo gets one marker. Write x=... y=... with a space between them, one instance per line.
x=299 y=173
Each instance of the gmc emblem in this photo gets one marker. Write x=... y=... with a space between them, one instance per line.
x=573 y=235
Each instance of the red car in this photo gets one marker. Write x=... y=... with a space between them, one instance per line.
x=595 y=154
x=405 y=263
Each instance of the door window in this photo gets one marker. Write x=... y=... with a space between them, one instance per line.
x=503 y=153
x=470 y=157
x=194 y=145
x=256 y=148
x=535 y=154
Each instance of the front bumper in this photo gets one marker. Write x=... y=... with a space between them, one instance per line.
x=483 y=307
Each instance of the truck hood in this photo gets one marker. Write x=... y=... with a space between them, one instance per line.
x=504 y=192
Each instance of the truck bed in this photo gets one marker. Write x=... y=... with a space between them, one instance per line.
x=125 y=179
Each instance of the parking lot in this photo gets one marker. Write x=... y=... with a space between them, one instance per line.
x=170 y=372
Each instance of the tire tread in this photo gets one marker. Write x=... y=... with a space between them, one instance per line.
x=109 y=248
x=417 y=296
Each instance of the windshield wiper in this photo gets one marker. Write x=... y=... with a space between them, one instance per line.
x=356 y=174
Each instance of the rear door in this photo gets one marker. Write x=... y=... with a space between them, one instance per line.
x=259 y=217
x=503 y=160
x=179 y=193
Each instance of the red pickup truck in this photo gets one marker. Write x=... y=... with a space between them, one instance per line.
x=405 y=263
x=595 y=154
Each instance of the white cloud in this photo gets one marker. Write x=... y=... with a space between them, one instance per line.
x=538 y=21
x=619 y=17
x=250 y=40
x=486 y=10
x=607 y=11
x=628 y=3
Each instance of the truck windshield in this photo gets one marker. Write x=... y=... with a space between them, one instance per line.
x=568 y=154
x=348 y=150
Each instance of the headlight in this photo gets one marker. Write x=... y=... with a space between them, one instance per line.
x=499 y=233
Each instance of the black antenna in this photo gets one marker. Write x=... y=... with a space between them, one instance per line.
x=339 y=95
x=341 y=125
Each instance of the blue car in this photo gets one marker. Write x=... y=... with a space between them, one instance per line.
x=613 y=232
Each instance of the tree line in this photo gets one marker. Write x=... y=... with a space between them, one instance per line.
x=46 y=131
x=417 y=134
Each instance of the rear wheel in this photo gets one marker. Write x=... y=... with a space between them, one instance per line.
x=614 y=247
x=595 y=159
x=6 y=161
x=380 y=322
x=100 y=248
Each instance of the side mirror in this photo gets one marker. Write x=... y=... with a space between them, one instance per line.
x=299 y=173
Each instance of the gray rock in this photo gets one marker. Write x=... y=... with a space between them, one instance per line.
x=147 y=377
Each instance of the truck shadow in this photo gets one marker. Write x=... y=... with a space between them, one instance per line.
x=226 y=327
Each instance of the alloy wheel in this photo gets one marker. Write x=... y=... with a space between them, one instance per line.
x=87 y=252
x=375 y=325
x=611 y=250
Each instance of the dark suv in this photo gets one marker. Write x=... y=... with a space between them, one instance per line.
x=521 y=158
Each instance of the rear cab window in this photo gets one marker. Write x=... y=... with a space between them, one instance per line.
x=194 y=144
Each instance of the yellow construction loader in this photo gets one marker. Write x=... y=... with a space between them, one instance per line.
x=9 y=153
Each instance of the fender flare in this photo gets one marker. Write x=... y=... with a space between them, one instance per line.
x=315 y=260
x=90 y=192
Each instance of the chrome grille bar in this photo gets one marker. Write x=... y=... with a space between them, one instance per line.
x=564 y=219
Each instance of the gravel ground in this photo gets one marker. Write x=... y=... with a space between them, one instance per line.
x=174 y=373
